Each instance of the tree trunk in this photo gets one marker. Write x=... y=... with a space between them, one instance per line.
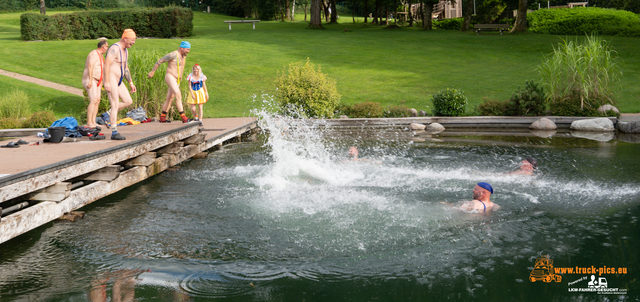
x=325 y=9
x=334 y=11
x=386 y=14
x=287 y=10
x=375 y=13
x=316 y=20
x=43 y=9
x=428 y=10
x=410 y=14
x=293 y=10
x=395 y=16
x=353 y=12
x=466 y=25
x=366 y=11
x=521 y=18
x=305 y=12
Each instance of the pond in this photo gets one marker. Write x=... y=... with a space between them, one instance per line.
x=290 y=218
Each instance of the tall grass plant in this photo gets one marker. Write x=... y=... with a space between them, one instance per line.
x=152 y=93
x=587 y=71
x=15 y=104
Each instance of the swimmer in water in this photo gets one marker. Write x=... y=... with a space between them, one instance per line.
x=527 y=167
x=481 y=202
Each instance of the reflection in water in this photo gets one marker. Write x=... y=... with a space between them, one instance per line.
x=123 y=286
x=292 y=220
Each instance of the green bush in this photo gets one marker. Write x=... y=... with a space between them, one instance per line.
x=586 y=71
x=304 y=92
x=396 y=111
x=450 y=24
x=494 y=108
x=528 y=101
x=449 y=102
x=488 y=11
x=366 y=110
x=570 y=106
x=159 y=22
x=40 y=119
x=581 y=20
x=14 y=104
x=10 y=123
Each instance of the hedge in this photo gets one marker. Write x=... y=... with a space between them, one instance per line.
x=159 y=22
x=580 y=21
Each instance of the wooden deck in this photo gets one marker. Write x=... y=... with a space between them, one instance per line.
x=55 y=179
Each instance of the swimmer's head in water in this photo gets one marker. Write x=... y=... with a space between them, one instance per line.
x=486 y=186
x=353 y=152
x=532 y=161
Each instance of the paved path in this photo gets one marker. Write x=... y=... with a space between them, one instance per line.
x=44 y=83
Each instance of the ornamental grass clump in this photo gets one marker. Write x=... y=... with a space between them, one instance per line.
x=449 y=102
x=152 y=93
x=14 y=104
x=303 y=91
x=585 y=73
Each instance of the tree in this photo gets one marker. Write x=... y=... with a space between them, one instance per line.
x=467 y=16
x=315 y=19
x=43 y=9
x=287 y=9
x=334 y=11
x=521 y=18
x=428 y=12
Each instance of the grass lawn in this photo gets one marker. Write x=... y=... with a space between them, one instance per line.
x=43 y=98
x=394 y=67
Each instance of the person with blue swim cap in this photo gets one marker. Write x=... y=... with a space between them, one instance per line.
x=481 y=202
x=176 y=61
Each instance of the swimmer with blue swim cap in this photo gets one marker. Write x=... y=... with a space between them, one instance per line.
x=176 y=60
x=481 y=202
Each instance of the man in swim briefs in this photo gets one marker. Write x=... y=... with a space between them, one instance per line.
x=481 y=202
x=175 y=67
x=92 y=79
x=116 y=70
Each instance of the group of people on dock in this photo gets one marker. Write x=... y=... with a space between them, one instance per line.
x=113 y=70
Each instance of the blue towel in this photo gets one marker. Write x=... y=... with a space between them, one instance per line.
x=71 y=125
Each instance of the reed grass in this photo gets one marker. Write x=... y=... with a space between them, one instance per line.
x=15 y=104
x=152 y=92
x=588 y=71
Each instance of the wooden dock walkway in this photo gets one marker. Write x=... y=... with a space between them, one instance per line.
x=51 y=180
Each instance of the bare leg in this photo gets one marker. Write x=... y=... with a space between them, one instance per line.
x=193 y=110
x=174 y=89
x=125 y=97
x=94 y=102
x=114 y=100
x=201 y=110
x=167 y=103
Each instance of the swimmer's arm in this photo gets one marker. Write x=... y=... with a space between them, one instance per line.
x=168 y=58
